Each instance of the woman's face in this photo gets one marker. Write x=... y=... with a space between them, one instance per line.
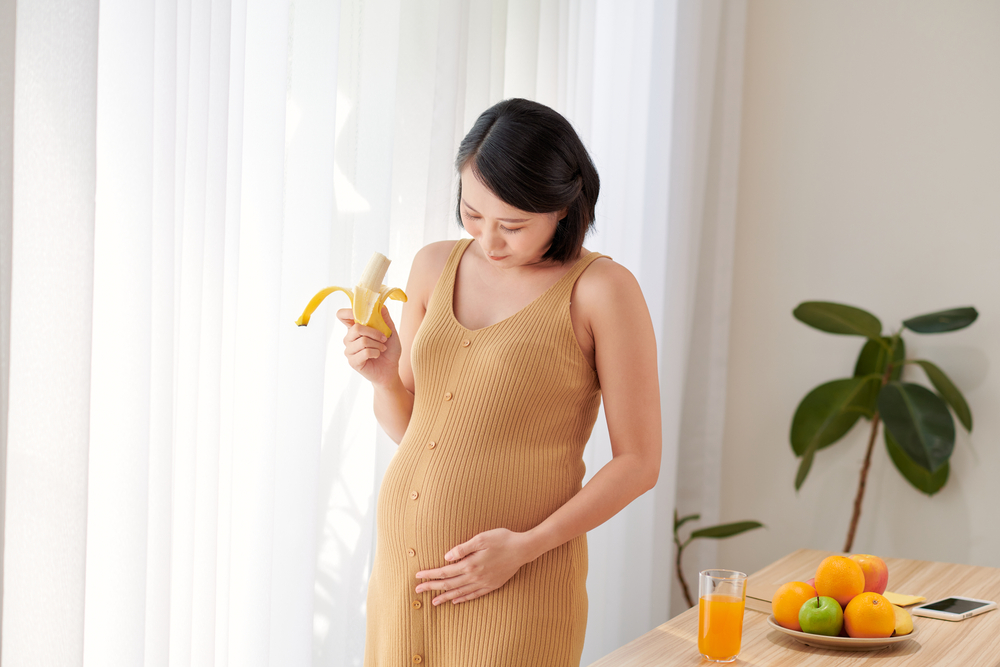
x=509 y=237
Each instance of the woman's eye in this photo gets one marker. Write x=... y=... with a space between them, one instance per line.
x=508 y=230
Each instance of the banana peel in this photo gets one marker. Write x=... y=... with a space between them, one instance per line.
x=366 y=304
x=366 y=297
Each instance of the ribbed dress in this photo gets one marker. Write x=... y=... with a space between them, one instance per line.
x=500 y=419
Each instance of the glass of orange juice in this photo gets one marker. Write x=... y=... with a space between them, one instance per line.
x=721 y=597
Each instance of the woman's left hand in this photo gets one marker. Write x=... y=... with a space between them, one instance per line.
x=483 y=564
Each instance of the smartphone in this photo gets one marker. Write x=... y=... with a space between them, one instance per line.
x=955 y=608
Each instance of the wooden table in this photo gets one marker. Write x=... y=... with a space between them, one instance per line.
x=969 y=643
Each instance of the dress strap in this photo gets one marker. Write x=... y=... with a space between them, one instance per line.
x=455 y=257
x=441 y=297
x=582 y=264
x=566 y=283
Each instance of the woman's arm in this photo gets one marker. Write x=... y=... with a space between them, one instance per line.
x=610 y=305
x=625 y=357
x=385 y=362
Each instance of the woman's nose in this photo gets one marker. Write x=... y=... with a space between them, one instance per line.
x=491 y=239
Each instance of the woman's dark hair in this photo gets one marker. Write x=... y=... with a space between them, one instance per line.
x=532 y=159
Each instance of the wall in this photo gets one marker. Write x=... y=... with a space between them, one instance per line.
x=870 y=175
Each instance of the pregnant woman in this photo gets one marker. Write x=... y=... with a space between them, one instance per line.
x=505 y=349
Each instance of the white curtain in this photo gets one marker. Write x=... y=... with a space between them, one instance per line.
x=189 y=478
x=708 y=89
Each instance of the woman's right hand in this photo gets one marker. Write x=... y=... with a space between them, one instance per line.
x=369 y=352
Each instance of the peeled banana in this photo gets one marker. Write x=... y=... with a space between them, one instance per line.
x=366 y=298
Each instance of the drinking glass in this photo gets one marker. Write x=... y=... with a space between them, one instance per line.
x=721 y=597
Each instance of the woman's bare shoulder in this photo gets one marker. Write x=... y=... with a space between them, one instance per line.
x=429 y=261
x=605 y=280
x=434 y=255
x=427 y=266
x=606 y=295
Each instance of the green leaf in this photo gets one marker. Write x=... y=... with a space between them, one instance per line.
x=949 y=392
x=680 y=522
x=826 y=414
x=873 y=358
x=922 y=479
x=727 y=529
x=872 y=361
x=919 y=421
x=837 y=318
x=943 y=320
x=804 y=466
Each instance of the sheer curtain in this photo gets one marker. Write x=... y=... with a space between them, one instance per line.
x=708 y=91
x=190 y=478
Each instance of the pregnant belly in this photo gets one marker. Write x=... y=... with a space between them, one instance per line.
x=469 y=488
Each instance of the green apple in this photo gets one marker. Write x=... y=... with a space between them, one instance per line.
x=821 y=616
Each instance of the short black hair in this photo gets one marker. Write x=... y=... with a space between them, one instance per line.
x=530 y=157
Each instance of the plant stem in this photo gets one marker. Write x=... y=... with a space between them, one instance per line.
x=860 y=496
x=861 y=485
x=680 y=574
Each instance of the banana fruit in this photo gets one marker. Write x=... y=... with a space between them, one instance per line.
x=366 y=298
x=904 y=622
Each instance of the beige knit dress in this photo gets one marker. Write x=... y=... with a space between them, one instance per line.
x=500 y=419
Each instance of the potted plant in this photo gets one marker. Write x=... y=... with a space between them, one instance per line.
x=919 y=429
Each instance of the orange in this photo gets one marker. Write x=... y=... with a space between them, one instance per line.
x=869 y=615
x=840 y=578
x=787 y=601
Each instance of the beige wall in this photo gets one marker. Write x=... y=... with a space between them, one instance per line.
x=870 y=175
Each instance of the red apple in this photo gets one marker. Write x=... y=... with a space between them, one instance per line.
x=811 y=582
x=876 y=572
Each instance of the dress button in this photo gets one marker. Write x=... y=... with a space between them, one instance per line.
x=448 y=396
x=411 y=552
x=416 y=604
x=413 y=496
x=431 y=445
x=417 y=660
x=466 y=343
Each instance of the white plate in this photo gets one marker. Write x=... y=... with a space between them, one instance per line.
x=839 y=643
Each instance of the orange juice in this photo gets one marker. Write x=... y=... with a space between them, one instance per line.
x=720 y=626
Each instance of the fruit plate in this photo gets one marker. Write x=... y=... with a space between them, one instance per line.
x=840 y=643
